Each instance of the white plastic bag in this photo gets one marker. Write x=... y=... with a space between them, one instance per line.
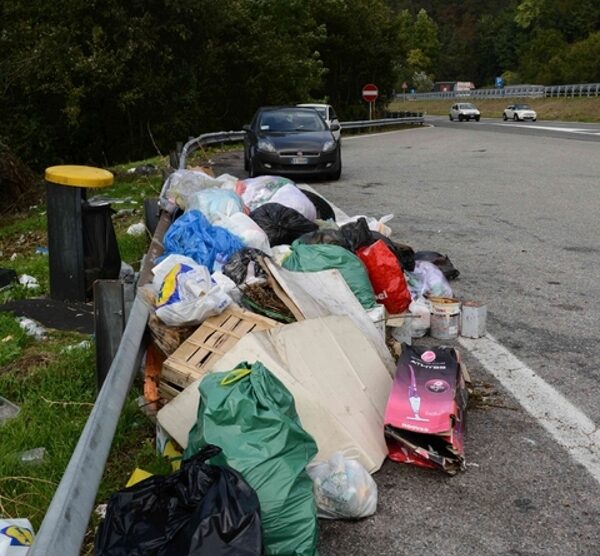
x=16 y=537
x=246 y=229
x=343 y=488
x=188 y=295
x=427 y=280
x=290 y=196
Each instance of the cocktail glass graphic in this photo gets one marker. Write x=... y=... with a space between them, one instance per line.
x=413 y=397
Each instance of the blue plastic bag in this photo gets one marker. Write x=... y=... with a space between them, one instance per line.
x=192 y=235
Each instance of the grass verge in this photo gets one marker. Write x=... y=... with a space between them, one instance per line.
x=562 y=109
x=52 y=380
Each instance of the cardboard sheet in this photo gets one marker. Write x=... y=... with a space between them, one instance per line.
x=338 y=381
x=324 y=293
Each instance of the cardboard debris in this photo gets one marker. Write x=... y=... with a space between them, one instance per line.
x=425 y=414
x=323 y=293
x=339 y=383
x=212 y=339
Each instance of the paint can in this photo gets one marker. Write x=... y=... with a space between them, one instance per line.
x=445 y=318
x=473 y=319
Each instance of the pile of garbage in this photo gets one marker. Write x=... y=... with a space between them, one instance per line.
x=282 y=371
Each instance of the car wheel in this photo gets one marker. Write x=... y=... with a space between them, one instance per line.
x=460 y=118
x=451 y=118
x=504 y=116
x=335 y=175
x=516 y=118
x=534 y=119
x=477 y=118
x=252 y=168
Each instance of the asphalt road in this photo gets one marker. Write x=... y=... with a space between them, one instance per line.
x=515 y=208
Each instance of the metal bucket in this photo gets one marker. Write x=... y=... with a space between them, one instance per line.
x=445 y=318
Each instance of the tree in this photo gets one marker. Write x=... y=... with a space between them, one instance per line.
x=359 y=48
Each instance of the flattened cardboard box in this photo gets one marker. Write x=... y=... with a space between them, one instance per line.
x=426 y=410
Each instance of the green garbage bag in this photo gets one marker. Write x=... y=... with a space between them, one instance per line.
x=315 y=257
x=251 y=416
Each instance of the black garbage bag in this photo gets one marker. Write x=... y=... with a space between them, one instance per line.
x=101 y=257
x=282 y=225
x=243 y=262
x=200 y=510
x=332 y=237
x=357 y=234
x=323 y=208
x=439 y=260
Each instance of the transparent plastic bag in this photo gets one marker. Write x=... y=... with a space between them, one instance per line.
x=258 y=191
x=215 y=202
x=427 y=280
x=343 y=488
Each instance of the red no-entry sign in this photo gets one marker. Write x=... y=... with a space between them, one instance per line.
x=370 y=92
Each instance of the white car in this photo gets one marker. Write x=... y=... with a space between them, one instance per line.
x=464 y=111
x=518 y=112
x=326 y=112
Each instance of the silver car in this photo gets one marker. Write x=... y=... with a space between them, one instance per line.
x=326 y=112
x=464 y=111
x=518 y=112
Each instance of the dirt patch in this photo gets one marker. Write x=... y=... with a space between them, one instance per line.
x=25 y=244
x=25 y=365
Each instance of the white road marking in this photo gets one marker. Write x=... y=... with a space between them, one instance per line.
x=567 y=424
x=584 y=131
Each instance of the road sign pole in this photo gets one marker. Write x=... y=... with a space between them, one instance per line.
x=370 y=93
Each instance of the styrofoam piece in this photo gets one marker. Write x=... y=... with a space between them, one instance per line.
x=324 y=293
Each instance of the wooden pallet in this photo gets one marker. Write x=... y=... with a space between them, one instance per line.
x=213 y=338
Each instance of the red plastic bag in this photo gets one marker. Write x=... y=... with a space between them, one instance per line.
x=386 y=276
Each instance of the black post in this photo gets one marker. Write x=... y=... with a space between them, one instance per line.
x=65 y=242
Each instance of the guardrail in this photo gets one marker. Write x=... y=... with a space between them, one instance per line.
x=66 y=521
x=236 y=136
x=512 y=91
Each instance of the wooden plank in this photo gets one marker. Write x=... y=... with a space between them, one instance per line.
x=280 y=292
x=213 y=338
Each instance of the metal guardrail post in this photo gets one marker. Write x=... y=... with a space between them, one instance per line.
x=64 y=526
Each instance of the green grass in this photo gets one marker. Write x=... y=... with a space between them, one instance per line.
x=54 y=387
x=562 y=109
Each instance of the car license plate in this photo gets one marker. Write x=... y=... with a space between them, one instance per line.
x=300 y=160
